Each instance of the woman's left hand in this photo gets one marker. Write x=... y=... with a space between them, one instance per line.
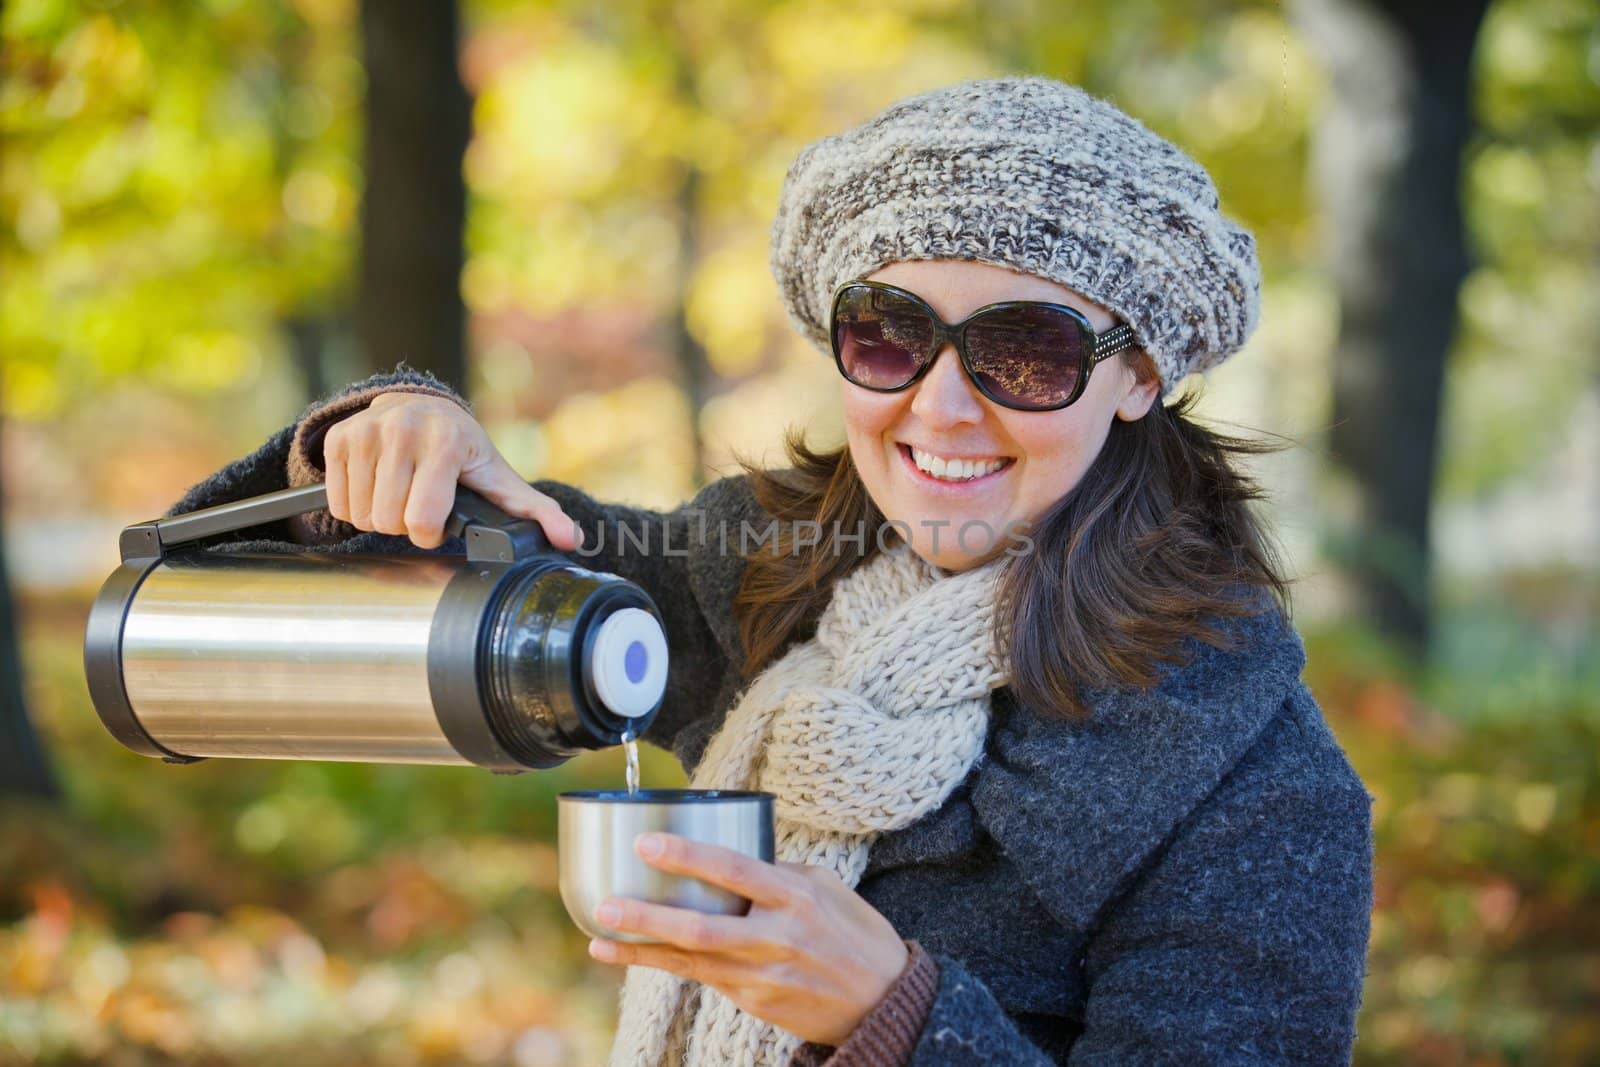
x=810 y=957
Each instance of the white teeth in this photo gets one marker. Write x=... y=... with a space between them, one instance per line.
x=955 y=470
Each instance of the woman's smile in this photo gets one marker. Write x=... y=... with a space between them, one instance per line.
x=953 y=475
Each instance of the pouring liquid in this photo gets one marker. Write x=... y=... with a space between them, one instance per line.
x=631 y=747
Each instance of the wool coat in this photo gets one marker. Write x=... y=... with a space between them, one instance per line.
x=1185 y=877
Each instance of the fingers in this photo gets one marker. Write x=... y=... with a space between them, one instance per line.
x=360 y=473
x=394 y=468
x=761 y=882
x=433 y=494
x=391 y=485
x=334 y=479
x=505 y=488
x=710 y=970
x=692 y=930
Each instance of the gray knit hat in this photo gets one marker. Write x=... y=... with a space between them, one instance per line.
x=1035 y=175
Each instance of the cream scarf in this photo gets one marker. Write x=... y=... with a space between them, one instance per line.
x=861 y=730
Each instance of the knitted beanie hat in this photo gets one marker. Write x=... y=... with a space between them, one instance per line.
x=1034 y=175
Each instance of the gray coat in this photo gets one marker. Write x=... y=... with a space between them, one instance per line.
x=1187 y=878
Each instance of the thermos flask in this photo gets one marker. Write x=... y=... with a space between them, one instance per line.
x=511 y=658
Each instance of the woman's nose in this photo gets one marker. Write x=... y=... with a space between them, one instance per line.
x=945 y=395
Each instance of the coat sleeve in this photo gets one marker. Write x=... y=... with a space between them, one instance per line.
x=662 y=567
x=1245 y=942
x=967 y=1027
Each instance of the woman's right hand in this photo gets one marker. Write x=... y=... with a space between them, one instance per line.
x=394 y=467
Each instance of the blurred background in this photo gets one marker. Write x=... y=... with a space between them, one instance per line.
x=212 y=213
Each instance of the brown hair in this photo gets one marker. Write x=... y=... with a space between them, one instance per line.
x=1155 y=544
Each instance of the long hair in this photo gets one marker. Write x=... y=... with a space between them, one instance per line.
x=1155 y=544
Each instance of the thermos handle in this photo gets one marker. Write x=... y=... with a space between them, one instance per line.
x=492 y=536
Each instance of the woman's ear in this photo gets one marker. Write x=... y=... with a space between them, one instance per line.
x=1143 y=384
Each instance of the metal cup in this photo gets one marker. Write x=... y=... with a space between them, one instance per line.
x=597 y=829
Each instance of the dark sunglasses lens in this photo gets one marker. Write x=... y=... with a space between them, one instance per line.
x=1026 y=357
x=881 y=337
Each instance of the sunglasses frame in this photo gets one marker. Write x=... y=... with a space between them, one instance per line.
x=1095 y=346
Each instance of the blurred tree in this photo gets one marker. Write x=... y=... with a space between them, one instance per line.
x=178 y=180
x=690 y=217
x=623 y=84
x=693 y=368
x=1387 y=162
x=1526 y=364
x=419 y=119
x=24 y=771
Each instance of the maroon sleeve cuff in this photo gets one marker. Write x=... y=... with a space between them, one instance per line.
x=305 y=454
x=890 y=1031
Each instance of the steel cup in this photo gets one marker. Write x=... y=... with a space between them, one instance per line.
x=597 y=829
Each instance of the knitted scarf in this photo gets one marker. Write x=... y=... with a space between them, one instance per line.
x=861 y=730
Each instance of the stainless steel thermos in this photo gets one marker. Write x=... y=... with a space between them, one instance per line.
x=511 y=658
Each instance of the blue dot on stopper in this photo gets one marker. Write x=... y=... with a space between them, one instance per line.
x=635 y=662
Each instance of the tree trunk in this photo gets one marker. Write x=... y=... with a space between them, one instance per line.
x=306 y=334
x=24 y=770
x=1387 y=163
x=419 y=118
x=688 y=352
x=694 y=368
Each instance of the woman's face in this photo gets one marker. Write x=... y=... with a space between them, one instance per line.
x=1044 y=453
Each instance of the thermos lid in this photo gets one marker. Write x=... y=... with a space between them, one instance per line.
x=629 y=662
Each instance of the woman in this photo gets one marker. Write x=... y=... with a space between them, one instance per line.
x=1050 y=788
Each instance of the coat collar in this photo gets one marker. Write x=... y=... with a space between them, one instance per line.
x=1078 y=807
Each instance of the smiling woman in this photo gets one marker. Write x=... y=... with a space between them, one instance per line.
x=971 y=478
x=1057 y=796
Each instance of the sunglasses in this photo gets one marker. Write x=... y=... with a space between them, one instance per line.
x=1027 y=355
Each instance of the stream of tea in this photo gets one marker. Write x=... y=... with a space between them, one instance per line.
x=631 y=747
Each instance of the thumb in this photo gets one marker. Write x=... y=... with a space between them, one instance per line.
x=504 y=487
